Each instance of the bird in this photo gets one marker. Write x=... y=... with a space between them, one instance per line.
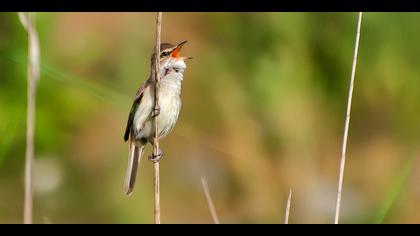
x=140 y=130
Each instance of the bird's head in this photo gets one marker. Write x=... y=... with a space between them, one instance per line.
x=169 y=54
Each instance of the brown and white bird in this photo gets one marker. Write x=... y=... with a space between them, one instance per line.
x=140 y=130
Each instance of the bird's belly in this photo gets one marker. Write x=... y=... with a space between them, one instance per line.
x=170 y=105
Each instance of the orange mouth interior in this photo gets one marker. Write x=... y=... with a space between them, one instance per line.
x=175 y=53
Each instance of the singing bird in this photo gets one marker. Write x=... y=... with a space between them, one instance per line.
x=140 y=129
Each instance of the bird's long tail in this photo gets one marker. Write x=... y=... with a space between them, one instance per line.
x=134 y=157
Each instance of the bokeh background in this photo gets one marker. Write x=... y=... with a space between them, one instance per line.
x=264 y=103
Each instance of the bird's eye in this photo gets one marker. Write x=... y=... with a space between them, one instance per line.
x=164 y=54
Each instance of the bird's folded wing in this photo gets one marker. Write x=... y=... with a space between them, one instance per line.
x=136 y=102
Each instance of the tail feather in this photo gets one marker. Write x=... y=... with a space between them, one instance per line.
x=134 y=156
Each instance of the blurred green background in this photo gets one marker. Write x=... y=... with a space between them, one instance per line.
x=264 y=103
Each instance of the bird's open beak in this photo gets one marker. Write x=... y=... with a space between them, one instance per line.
x=176 y=52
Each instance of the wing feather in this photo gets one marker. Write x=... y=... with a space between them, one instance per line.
x=136 y=102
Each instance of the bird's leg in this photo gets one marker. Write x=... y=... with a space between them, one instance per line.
x=157 y=157
x=156 y=103
x=156 y=111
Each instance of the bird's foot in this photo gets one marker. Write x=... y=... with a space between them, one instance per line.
x=156 y=111
x=156 y=157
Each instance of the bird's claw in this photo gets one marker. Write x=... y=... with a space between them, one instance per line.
x=156 y=157
x=156 y=111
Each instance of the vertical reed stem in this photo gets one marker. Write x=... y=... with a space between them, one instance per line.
x=347 y=122
x=33 y=76
x=156 y=107
x=287 y=212
x=209 y=201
